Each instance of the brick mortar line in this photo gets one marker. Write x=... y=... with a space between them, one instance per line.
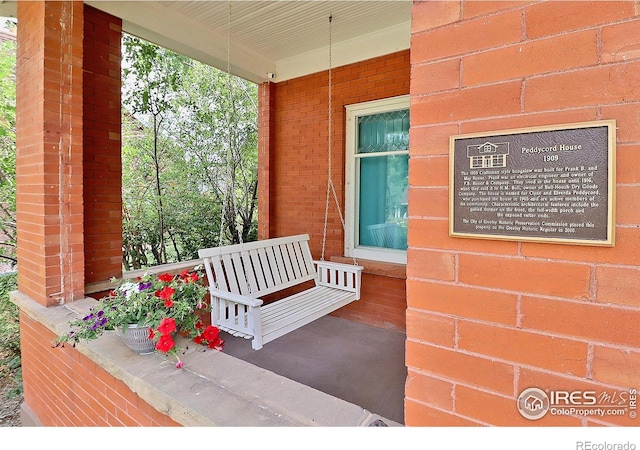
x=513 y=364
x=573 y=338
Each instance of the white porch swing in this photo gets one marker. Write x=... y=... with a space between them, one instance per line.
x=240 y=275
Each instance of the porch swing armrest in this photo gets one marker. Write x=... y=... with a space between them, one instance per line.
x=346 y=277
x=235 y=298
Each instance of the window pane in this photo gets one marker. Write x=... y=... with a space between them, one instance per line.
x=383 y=132
x=383 y=201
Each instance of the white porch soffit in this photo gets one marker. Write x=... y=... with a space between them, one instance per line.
x=286 y=38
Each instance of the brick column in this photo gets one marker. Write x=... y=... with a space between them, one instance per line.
x=488 y=319
x=49 y=151
x=266 y=150
x=102 y=162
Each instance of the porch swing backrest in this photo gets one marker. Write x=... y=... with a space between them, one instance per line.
x=259 y=268
x=240 y=275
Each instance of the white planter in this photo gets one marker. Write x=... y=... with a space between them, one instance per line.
x=136 y=337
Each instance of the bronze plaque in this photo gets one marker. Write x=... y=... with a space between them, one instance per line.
x=552 y=184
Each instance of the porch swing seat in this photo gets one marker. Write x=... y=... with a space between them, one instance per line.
x=240 y=275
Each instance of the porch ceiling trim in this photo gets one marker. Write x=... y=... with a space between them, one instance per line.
x=186 y=36
x=389 y=40
x=287 y=38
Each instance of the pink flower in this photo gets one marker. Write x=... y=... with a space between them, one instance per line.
x=179 y=365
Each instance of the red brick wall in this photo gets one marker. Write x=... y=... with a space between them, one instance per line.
x=102 y=162
x=49 y=151
x=382 y=304
x=298 y=167
x=266 y=152
x=71 y=157
x=65 y=388
x=558 y=316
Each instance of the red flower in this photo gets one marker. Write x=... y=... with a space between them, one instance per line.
x=165 y=343
x=113 y=294
x=189 y=277
x=166 y=293
x=152 y=333
x=199 y=339
x=199 y=325
x=211 y=333
x=168 y=303
x=167 y=326
x=217 y=343
x=165 y=277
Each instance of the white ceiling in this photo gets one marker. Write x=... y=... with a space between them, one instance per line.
x=287 y=38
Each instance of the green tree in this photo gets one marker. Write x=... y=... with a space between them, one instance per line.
x=189 y=153
x=8 y=152
x=152 y=76
x=218 y=130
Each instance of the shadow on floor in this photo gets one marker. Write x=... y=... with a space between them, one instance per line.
x=357 y=363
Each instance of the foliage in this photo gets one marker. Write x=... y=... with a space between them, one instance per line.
x=8 y=152
x=9 y=320
x=189 y=155
x=153 y=75
x=218 y=129
x=164 y=303
x=10 y=361
x=141 y=242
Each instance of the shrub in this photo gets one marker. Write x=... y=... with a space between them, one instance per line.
x=10 y=361
x=9 y=321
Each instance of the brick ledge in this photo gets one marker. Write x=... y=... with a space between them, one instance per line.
x=246 y=395
x=383 y=269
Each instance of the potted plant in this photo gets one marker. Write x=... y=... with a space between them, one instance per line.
x=151 y=310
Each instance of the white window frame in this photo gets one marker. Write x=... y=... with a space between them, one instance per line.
x=351 y=247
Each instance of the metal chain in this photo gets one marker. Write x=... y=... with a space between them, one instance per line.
x=329 y=183
x=230 y=110
x=227 y=171
x=330 y=186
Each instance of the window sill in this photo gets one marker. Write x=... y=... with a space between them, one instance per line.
x=383 y=269
x=246 y=394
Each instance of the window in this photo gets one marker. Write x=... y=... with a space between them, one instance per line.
x=377 y=168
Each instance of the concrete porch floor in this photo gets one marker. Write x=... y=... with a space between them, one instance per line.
x=360 y=364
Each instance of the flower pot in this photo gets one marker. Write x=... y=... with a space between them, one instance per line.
x=136 y=337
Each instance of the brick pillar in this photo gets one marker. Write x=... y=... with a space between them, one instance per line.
x=102 y=147
x=266 y=151
x=49 y=151
x=488 y=319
